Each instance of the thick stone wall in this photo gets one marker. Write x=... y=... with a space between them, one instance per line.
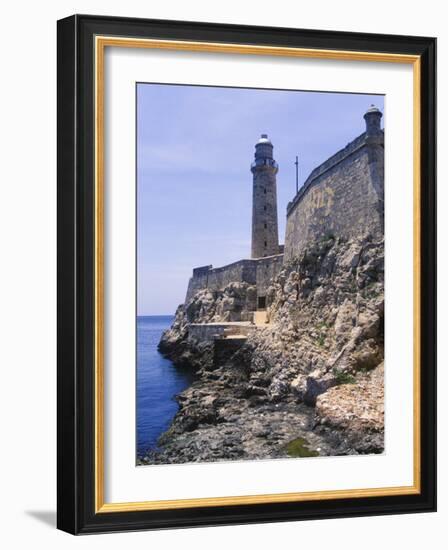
x=243 y=271
x=343 y=197
x=255 y=272
x=267 y=270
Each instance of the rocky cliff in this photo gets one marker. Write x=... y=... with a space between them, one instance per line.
x=308 y=383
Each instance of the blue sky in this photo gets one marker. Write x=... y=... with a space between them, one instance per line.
x=194 y=150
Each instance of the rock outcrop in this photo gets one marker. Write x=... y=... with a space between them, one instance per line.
x=310 y=382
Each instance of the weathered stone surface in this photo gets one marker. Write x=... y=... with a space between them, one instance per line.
x=259 y=272
x=343 y=197
x=355 y=412
x=316 y=384
x=264 y=200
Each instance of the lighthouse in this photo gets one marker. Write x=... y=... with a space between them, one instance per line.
x=264 y=200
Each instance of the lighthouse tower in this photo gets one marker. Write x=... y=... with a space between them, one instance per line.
x=264 y=200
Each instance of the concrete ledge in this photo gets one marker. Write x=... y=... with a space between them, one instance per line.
x=209 y=332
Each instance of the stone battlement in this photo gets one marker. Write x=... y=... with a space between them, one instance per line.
x=256 y=271
x=199 y=271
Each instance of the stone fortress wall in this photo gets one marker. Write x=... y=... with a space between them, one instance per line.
x=344 y=196
x=218 y=278
x=257 y=272
x=267 y=269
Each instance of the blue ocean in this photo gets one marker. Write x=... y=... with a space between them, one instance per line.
x=158 y=380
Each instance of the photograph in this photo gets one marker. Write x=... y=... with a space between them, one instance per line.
x=260 y=274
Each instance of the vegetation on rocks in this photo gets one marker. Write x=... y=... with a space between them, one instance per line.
x=299 y=448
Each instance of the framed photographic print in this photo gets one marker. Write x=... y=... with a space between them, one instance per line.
x=246 y=274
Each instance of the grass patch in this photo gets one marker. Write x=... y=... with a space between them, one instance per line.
x=345 y=378
x=321 y=340
x=299 y=448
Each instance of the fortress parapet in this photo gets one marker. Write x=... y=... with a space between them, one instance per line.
x=344 y=196
x=201 y=271
x=257 y=272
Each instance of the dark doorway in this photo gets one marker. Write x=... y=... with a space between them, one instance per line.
x=261 y=302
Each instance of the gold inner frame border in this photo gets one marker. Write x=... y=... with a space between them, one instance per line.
x=100 y=44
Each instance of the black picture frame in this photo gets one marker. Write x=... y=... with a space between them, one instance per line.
x=76 y=286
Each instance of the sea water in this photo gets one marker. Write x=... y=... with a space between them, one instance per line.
x=158 y=381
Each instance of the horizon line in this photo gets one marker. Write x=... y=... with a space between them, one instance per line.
x=155 y=314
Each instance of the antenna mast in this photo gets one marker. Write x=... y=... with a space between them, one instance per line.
x=297 y=174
